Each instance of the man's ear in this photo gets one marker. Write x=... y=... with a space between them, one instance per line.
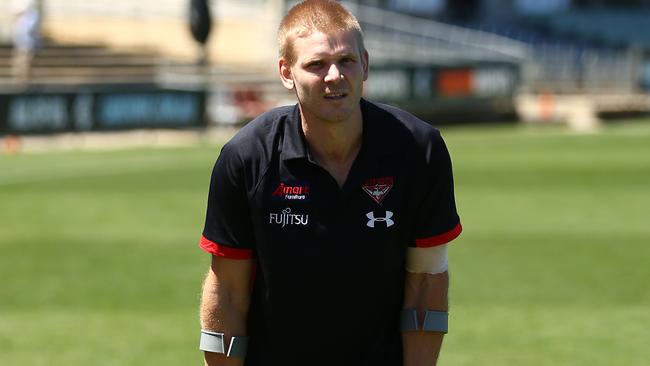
x=366 y=63
x=285 y=74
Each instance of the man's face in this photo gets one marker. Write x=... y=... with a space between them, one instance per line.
x=327 y=75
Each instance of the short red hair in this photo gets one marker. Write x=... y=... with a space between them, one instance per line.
x=309 y=16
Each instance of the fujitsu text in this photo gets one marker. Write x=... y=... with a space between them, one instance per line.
x=287 y=218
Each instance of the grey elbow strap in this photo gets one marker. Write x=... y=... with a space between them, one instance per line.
x=214 y=342
x=434 y=321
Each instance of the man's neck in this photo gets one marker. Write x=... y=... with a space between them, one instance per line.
x=335 y=145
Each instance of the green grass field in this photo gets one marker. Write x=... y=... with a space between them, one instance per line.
x=100 y=266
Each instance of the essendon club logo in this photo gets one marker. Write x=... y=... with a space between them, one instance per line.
x=378 y=188
x=291 y=192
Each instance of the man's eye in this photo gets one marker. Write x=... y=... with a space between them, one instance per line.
x=314 y=64
x=347 y=60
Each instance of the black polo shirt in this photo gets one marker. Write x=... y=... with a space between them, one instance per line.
x=330 y=271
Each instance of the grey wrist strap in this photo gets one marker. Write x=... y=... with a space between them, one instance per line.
x=434 y=321
x=214 y=342
x=238 y=347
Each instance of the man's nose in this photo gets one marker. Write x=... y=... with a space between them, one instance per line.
x=333 y=74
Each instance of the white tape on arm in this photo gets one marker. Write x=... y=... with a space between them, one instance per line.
x=431 y=260
x=214 y=342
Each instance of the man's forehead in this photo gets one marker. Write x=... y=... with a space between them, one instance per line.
x=318 y=43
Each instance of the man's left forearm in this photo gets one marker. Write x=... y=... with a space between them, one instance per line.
x=424 y=292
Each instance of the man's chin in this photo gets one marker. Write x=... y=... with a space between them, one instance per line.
x=332 y=112
x=336 y=117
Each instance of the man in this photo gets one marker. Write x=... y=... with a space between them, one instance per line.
x=27 y=37
x=328 y=221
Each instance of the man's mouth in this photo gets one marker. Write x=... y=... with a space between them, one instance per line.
x=335 y=96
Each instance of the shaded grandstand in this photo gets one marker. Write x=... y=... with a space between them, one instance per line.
x=78 y=64
x=450 y=61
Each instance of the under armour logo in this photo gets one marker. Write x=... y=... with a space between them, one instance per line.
x=387 y=219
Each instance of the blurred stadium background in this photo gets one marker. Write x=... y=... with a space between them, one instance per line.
x=114 y=65
x=544 y=105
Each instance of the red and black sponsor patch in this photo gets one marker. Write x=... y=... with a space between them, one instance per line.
x=378 y=188
x=291 y=191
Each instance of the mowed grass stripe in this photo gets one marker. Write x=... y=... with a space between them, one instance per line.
x=36 y=168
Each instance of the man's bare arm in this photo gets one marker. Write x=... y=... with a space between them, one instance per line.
x=225 y=302
x=424 y=292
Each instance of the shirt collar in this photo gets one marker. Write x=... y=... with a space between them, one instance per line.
x=294 y=144
x=376 y=131
x=375 y=139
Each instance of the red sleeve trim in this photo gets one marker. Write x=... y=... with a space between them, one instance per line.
x=439 y=239
x=224 y=251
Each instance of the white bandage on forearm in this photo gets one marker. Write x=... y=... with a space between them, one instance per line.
x=214 y=342
x=427 y=260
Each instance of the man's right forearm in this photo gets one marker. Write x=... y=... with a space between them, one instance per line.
x=223 y=310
